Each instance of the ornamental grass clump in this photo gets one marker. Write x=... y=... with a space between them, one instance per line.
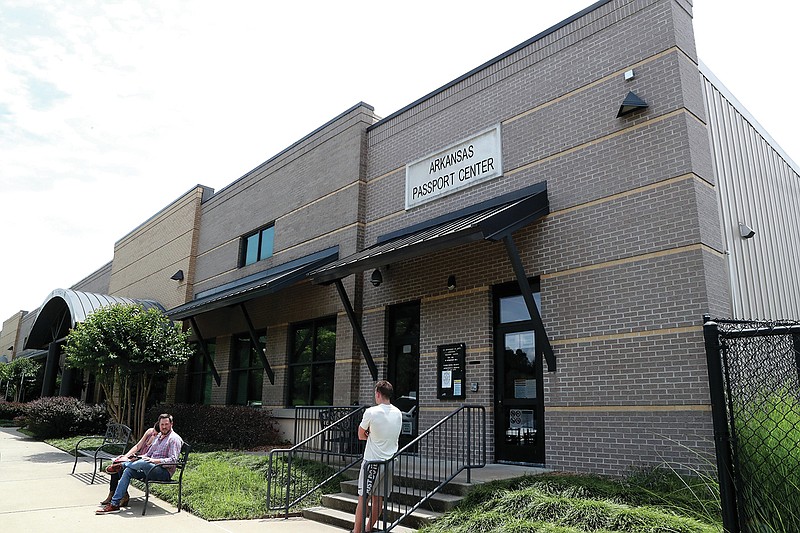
x=768 y=458
x=568 y=504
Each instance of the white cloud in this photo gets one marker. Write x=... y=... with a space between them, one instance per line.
x=111 y=110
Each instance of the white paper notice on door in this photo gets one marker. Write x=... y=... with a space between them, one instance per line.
x=524 y=388
x=447 y=379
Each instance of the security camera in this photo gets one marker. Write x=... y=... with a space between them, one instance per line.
x=746 y=231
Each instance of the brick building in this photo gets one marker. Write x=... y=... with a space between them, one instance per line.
x=541 y=236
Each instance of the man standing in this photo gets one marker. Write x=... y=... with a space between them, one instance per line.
x=380 y=427
x=164 y=449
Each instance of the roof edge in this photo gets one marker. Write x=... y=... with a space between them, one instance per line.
x=711 y=77
x=491 y=62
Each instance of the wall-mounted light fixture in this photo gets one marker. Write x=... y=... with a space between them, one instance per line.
x=630 y=104
x=376 y=278
x=746 y=231
x=177 y=276
x=451 y=282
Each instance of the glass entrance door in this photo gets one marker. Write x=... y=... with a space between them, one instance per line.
x=519 y=412
x=404 y=365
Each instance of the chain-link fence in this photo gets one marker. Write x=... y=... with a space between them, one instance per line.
x=754 y=376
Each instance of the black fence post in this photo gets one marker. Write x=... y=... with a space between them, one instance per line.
x=727 y=490
x=796 y=346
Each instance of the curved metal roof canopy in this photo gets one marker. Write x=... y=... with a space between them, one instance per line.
x=64 y=308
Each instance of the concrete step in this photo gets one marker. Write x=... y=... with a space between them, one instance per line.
x=347 y=503
x=440 y=502
x=458 y=486
x=342 y=519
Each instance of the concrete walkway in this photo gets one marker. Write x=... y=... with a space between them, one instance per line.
x=37 y=493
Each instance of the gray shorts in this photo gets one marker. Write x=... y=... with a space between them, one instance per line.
x=377 y=479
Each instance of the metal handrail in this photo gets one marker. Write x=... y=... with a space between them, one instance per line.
x=336 y=445
x=432 y=460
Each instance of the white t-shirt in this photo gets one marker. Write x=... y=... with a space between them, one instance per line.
x=384 y=422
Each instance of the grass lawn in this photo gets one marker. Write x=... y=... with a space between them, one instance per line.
x=223 y=485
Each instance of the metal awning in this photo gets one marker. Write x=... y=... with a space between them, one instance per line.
x=237 y=293
x=255 y=285
x=494 y=220
x=491 y=220
x=63 y=308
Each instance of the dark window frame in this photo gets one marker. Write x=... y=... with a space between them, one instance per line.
x=196 y=368
x=244 y=247
x=253 y=367
x=314 y=365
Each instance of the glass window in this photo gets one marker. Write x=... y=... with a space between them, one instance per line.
x=513 y=308
x=267 y=240
x=257 y=246
x=251 y=249
x=246 y=381
x=197 y=378
x=311 y=363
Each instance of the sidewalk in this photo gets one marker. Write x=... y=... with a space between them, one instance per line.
x=37 y=493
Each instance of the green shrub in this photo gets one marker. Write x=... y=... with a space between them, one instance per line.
x=61 y=416
x=232 y=426
x=11 y=410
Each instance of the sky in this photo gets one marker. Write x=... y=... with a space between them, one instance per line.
x=110 y=110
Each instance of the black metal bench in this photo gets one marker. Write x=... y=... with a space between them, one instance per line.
x=180 y=466
x=115 y=442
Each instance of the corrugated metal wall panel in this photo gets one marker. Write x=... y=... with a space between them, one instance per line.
x=758 y=185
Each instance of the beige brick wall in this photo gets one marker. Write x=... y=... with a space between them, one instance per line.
x=9 y=335
x=146 y=258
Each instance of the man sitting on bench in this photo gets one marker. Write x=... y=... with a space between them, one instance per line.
x=164 y=449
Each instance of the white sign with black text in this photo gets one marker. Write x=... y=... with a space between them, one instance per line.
x=461 y=165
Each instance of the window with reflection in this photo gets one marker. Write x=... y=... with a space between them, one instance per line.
x=519 y=365
x=513 y=308
x=311 y=362
x=246 y=382
x=197 y=378
x=257 y=246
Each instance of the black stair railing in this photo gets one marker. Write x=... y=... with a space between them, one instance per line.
x=425 y=465
x=327 y=435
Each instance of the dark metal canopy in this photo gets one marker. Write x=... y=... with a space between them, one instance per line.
x=63 y=308
x=255 y=285
x=496 y=219
x=489 y=220
x=237 y=293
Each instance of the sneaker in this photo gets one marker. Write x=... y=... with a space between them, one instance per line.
x=113 y=468
x=110 y=508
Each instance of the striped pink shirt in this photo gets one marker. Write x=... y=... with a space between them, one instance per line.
x=167 y=447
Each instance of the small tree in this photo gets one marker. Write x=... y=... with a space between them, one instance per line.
x=4 y=384
x=15 y=376
x=127 y=348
